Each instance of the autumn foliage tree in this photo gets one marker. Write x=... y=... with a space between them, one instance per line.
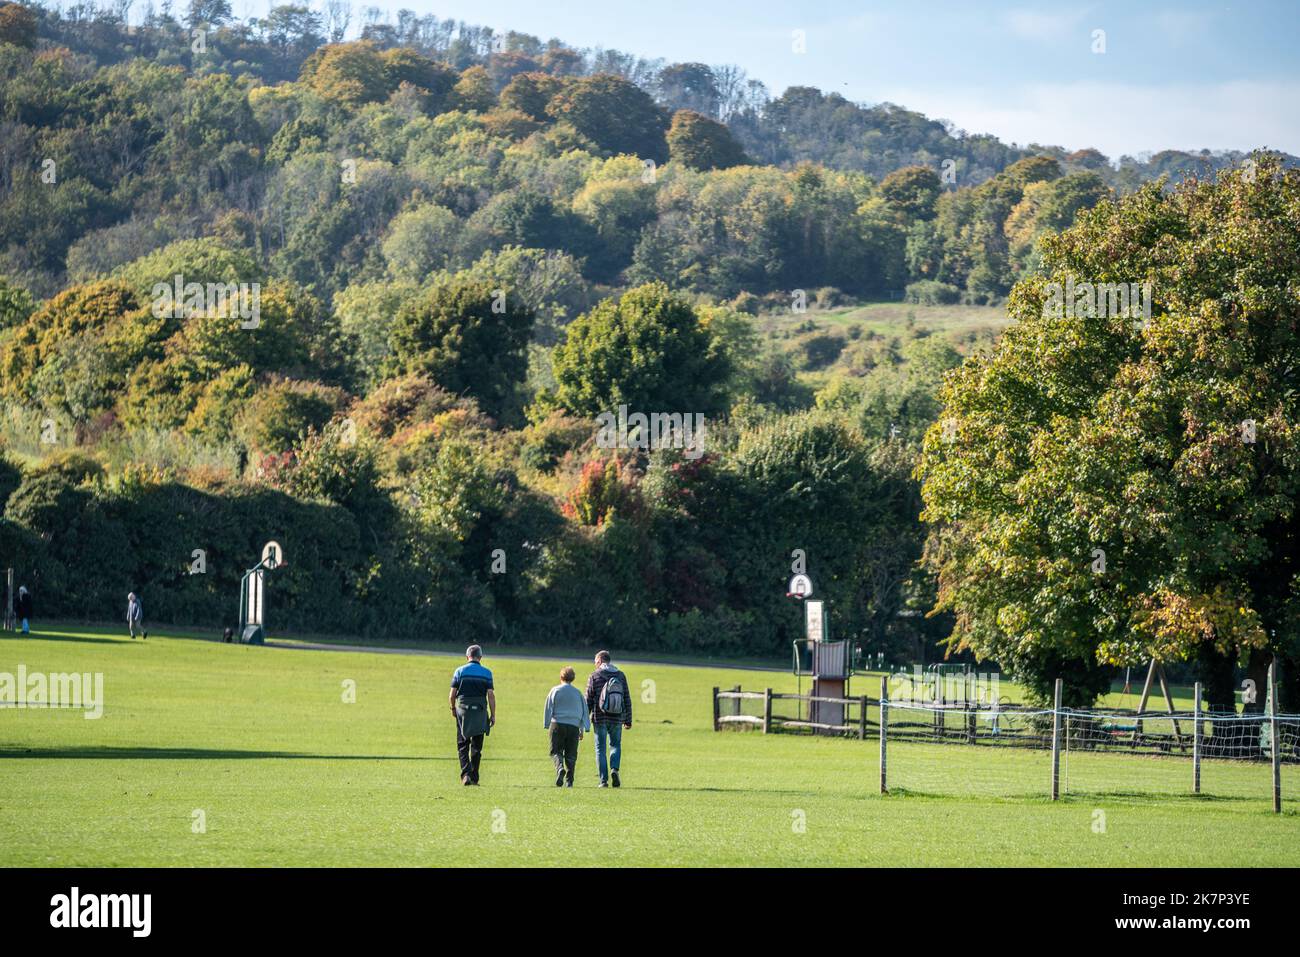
x=615 y=114
x=702 y=143
x=17 y=25
x=1106 y=490
x=605 y=487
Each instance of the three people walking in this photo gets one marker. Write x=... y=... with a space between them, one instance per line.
x=605 y=708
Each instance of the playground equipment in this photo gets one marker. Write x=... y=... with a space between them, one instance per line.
x=1156 y=670
x=828 y=663
x=252 y=595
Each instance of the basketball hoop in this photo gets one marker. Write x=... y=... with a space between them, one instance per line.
x=800 y=587
x=251 y=594
x=272 y=555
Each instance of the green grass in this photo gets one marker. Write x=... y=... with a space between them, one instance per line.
x=892 y=318
x=260 y=740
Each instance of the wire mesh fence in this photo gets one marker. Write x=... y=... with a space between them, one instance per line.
x=995 y=749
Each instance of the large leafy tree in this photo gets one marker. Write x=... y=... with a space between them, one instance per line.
x=1108 y=490
x=17 y=25
x=82 y=311
x=470 y=337
x=703 y=143
x=404 y=65
x=530 y=92
x=613 y=113
x=349 y=73
x=648 y=350
x=912 y=191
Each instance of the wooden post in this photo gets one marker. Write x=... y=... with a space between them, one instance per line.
x=1056 y=744
x=862 y=718
x=1196 y=738
x=767 y=710
x=884 y=726
x=716 y=712
x=1142 y=704
x=1169 y=704
x=1273 y=737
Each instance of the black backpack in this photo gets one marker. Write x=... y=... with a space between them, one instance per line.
x=612 y=694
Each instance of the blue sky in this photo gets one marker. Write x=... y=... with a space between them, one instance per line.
x=1174 y=74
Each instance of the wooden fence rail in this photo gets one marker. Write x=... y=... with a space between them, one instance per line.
x=768 y=721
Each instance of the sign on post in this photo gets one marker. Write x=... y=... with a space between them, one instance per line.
x=814 y=620
x=253 y=589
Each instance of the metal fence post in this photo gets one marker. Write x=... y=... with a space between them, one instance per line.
x=1196 y=739
x=862 y=718
x=884 y=726
x=767 y=710
x=10 y=619
x=716 y=712
x=1056 y=744
x=1273 y=736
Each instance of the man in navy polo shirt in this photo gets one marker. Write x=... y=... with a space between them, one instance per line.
x=474 y=706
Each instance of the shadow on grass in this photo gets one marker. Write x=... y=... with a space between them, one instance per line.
x=550 y=786
x=194 y=754
x=1073 y=797
x=59 y=636
x=1147 y=795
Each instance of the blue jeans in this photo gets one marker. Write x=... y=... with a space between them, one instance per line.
x=26 y=628
x=615 y=733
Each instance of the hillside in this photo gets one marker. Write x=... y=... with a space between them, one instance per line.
x=375 y=297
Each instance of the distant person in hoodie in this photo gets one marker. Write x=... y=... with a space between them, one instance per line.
x=135 y=616
x=23 y=609
x=566 y=718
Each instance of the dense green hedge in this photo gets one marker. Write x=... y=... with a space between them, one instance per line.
x=694 y=559
x=80 y=551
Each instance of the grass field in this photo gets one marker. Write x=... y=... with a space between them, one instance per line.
x=286 y=773
x=893 y=318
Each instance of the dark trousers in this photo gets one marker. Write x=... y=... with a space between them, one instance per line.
x=470 y=751
x=564 y=748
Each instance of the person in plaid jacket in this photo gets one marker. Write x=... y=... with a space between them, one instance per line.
x=608 y=725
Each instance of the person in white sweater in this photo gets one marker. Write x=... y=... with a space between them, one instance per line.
x=566 y=718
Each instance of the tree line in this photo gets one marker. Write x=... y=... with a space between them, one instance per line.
x=466 y=248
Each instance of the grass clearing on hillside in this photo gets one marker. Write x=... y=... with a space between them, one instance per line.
x=893 y=318
x=285 y=773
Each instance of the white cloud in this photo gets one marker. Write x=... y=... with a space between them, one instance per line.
x=1121 y=118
